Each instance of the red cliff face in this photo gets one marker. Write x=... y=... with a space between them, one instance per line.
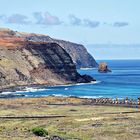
x=24 y=62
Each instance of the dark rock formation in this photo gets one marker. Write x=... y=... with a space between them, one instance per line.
x=24 y=62
x=88 y=78
x=103 y=68
x=78 y=52
x=10 y=95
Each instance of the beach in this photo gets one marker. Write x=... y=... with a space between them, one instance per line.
x=69 y=118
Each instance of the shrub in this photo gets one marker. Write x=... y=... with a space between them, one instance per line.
x=39 y=131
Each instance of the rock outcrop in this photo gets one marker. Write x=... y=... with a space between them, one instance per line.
x=31 y=62
x=103 y=68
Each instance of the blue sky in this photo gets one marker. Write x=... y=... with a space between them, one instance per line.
x=81 y=21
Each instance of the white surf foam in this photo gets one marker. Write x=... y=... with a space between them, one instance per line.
x=36 y=89
x=60 y=95
x=87 y=68
x=33 y=89
x=78 y=84
x=91 y=97
x=6 y=93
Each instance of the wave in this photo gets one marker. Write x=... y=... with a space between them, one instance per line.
x=62 y=95
x=26 y=89
x=59 y=95
x=37 y=89
x=92 y=82
x=6 y=93
x=91 y=97
x=78 y=84
x=88 y=68
x=74 y=96
x=55 y=95
x=33 y=89
x=10 y=95
x=88 y=97
x=47 y=88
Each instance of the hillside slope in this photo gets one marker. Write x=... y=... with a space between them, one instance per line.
x=24 y=62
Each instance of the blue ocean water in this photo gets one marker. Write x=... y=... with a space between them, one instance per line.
x=124 y=81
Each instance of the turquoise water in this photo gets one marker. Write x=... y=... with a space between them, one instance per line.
x=124 y=81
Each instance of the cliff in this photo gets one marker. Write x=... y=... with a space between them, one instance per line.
x=78 y=52
x=29 y=62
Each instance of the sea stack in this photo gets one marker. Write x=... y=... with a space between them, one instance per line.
x=103 y=68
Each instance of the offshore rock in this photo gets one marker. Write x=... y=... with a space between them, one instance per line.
x=103 y=68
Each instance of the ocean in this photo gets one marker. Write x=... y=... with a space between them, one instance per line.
x=122 y=82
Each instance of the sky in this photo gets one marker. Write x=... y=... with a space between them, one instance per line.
x=88 y=22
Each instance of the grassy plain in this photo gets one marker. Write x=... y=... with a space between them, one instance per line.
x=80 y=122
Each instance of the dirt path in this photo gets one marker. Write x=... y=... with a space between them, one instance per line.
x=31 y=117
x=130 y=112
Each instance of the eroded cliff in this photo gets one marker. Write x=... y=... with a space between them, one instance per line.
x=78 y=52
x=29 y=62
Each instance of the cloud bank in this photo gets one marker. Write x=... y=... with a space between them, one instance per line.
x=91 y=23
x=48 y=19
x=75 y=21
x=120 y=24
x=15 y=19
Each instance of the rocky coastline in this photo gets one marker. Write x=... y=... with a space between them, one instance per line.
x=26 y=61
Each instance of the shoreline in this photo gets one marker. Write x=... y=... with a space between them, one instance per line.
x=12 y=91
x=19 y=87
x=16 y=93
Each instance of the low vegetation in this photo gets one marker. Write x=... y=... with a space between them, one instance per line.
x=39 y=131
x=82 y=122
